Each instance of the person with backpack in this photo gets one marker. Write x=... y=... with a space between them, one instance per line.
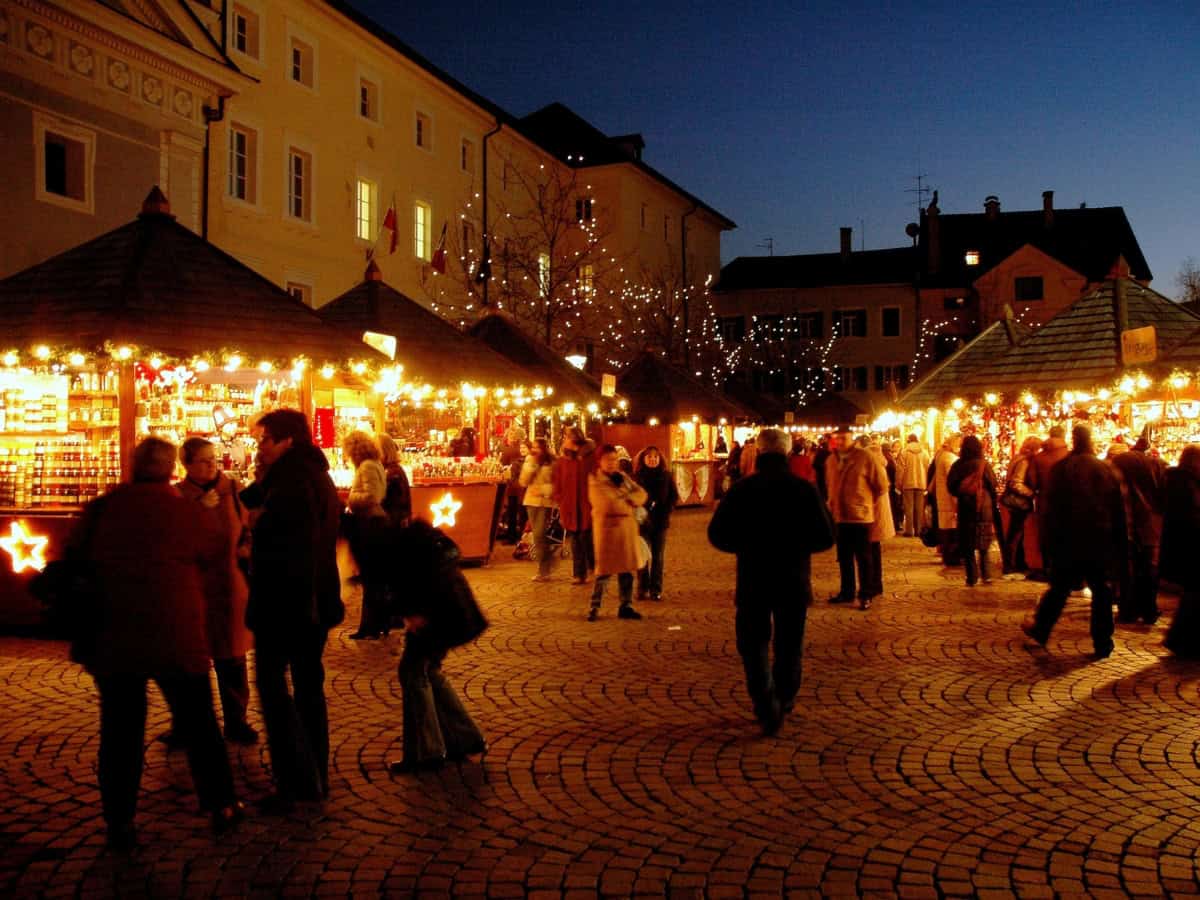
x=972 y=483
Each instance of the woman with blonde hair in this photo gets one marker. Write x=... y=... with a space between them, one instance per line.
x=367 y=517
x=537 y=479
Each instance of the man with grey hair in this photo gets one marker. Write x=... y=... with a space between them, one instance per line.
x=774 y=521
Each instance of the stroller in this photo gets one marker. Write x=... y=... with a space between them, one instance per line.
x=555 y=535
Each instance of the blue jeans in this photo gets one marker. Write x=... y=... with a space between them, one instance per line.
x=539 y=518
x=650 y=579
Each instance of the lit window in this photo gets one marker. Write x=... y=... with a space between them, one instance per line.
x=243 y=162
x=971 y=257
x=245 y=31
x=587 y=281
x=301 y=291
x=368 y=99
x=422 y=219
x=367 y=210
x=424 y=132
x=543 y=275
x=583 y=209
x=466 y=156
x=302 y=62
x=299 y=185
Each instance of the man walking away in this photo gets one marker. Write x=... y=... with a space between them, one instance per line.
x=855 y=481
x=1142 y=478
x=295 y=598
x=1086 y=537
x=774 y=522
x=911 y=468
x=1053 y=451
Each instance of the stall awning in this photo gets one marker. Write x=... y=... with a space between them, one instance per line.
x=656 y=388
x=946 y=382
x=828 y=410
x=156 y=285
x=429 y=347
x=546 y=367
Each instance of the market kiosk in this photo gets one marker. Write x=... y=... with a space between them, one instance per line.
x=146 y=330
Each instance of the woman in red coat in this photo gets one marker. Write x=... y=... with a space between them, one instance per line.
x=148 y=554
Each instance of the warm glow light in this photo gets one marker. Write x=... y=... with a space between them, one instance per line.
x=265 y=367
x=358 y=368
x=77 y=359
x=326 y=372
x=1104 y=393
x=958 y=403
x=990 y=399
x=233 y=363
x=445 y=510
x=621 y=404
x=28 y=551
x=156 y=362
x=1179 y=381
x=593 y=408
x=124 y=353
x=652 y=421
x=11 y=359
x=1143 y=382
x=578 y=360
x=42 y=352
x=1126 y=385
x=568 y=408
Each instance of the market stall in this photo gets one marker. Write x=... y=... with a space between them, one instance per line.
x=146 y=330
x=448 y=411
x=684 y=418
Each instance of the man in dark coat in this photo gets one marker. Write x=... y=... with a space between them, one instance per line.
x=1085 y=531
x=295 y=598
x=773 y=521
x=1142 y=478
x=574 y=466
x=1054 y=450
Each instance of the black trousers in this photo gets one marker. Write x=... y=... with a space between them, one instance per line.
x=233 y=686
x=1139 y=592
x=854 y=550
x=297 y=722
x=1014 y=541
x=123 y=738
x=583 y=553
x=1064 y=579
x=761 y=626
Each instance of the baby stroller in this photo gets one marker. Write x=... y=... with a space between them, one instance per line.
x=555 y=534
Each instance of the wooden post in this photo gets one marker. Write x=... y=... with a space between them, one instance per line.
x=126 y=411
x=307 y=405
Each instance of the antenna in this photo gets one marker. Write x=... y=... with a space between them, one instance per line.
x=768 y=244
x=921 y=190
x=862 y=234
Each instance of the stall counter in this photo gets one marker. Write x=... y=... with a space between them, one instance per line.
x=467 y=511
x=28 y=540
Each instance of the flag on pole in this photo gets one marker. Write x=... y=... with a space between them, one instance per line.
x=389 y=224
x=438 y=262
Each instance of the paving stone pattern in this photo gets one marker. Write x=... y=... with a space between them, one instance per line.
x=934 y=752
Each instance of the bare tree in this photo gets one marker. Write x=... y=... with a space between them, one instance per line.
x=1188 y=281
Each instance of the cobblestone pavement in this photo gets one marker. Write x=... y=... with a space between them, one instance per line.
x=933 y=752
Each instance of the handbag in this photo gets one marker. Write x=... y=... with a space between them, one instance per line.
x=1015 y=501
x=640 y=514
x=643 y=552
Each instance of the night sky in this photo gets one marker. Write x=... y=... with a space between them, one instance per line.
x=796 y=118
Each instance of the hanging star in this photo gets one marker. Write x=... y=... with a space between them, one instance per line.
x=445 y=510
x=28 y=551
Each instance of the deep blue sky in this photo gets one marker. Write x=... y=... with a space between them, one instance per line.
x=796 y=118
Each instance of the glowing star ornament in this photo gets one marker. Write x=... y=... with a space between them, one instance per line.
x=445 y=510
x=28 y=551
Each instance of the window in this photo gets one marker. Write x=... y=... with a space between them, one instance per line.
x=543 y=275
x=885 y=375
x=64 y=161
x=891 y=321
x=643 y=217
x=812 y=379
x=809 y=325
x=587 y=282
x=245 y=31
x=468 y=236
x=368 y=99
x=583 y=209
x=1028 y=288
x=971 y=257
x=733 y=329
x=424 y=132
x=466 y=156
x=851 y=322
x=953 y=304
x=299 y=185
x=767 y=328
x=366 y=210
x=303 y=63
x=847 y=378
x=422 y=223
x=243 y=163
x=302 y=292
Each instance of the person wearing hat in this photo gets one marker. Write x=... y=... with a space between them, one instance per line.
x=855 y=480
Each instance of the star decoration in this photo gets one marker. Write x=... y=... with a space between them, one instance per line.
x=28 y=551
x=445 y=510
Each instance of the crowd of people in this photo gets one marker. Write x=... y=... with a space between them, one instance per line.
x=187 y=577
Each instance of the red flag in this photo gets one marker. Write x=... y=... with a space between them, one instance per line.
x=389 y=224
x=439 y=255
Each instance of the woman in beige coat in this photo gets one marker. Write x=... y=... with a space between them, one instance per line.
x=882 y=529
x=614 y=496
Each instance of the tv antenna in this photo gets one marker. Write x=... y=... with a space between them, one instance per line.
x=768 y=244
x=921 y=190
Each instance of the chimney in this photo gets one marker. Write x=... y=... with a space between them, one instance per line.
x=631 y=145
x=1048 y=208
x=991 y=207
x=846 y=241
x=933 y=244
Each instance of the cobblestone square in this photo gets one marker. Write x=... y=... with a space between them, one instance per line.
x=933 y=752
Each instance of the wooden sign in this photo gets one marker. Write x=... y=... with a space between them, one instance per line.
x=608 y=385
x=1139 y=345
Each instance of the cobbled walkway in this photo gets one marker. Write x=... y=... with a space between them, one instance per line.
x=933 y=753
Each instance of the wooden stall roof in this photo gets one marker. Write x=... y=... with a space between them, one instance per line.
x=1080 y=347
x=1185 y=354
x=829 y=409
x=947 y=380
x=155 y=284
x=430 y=348
x=766 y=408
x=654 y=387
x=545 y=367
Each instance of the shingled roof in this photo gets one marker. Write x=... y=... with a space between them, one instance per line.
x=429 y=347
x=155 y=284
x=829 y=409
x=501 y=333
x=1079 y=348
x=894 y=266
x=946 y=381
x=656 y=388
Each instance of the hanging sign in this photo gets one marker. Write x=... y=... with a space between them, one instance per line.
x=324 y=435
x=1139 y=345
